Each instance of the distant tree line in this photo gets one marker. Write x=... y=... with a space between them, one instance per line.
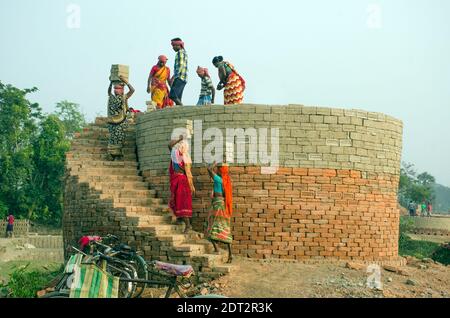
x=415 y=187
x=32 y=155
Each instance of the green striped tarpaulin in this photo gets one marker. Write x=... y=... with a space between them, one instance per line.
x=73 y=262
x=92 y=282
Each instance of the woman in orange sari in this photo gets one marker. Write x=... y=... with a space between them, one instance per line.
x=218 y=227
x=230 y=79
x=159 y=75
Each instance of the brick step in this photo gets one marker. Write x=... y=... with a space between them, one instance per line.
x=152 y=211
x=102 y=163
x=77 y=156
x=127 y=202
x=99 y=149
x=103 y=136
x=104 y=129
x=122 y=186
x=163 y=229
x=99 y=121
x=99 y=142
x=144 y=210
x=125 y=194
x=110 y=178
x=191 y=248
x=105 y=171
x=138 y=201
x=152 y=219
x=174 y=239
x=210 y=260
x=207 y=246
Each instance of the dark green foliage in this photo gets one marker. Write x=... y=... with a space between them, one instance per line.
x=442 y=254
x=46 y=188
x=420 y=249
x=18 y=126
x=413 y=187
x=25 y=283
x=32 y=155
x=71 y=117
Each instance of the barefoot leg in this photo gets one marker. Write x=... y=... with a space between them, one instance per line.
x=230 y=256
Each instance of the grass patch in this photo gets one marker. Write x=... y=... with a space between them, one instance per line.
x=25 y=282
x=442 y=255
x=420 y=249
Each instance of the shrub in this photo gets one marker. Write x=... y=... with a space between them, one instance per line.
x=25 y=284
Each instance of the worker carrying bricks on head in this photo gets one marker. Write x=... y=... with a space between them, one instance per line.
x=181 y=181
x=117 y=116
x=10 y=225
x=218 y=226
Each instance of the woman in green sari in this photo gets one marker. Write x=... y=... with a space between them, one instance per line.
x=218 y=227
x=117 y=117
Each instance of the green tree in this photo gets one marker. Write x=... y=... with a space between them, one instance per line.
x=426 y=179
x=18 y=126
x=72 y=118
x=46 y=184
x=32 y=155
x=414 y=187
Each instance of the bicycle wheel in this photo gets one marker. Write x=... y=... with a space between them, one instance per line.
x=142 y=273
x=126 y=289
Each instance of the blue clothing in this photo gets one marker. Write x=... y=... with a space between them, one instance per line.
x=176 y=92
x=177 y=168
x=218 y=184
x=204 y=100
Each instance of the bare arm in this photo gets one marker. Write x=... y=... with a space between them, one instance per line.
x=187 y=169
x=210 y=170
x=223 y=75
x=169 y=79
x=149 y=82
x=213 y=94
x=131 y=88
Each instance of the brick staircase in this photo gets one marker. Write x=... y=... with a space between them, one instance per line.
x=111 y=197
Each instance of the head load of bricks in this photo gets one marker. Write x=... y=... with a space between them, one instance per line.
x=309 y=183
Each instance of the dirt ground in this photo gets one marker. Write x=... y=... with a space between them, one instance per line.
x=13 y=255
x=280 y=279
x=263 y=279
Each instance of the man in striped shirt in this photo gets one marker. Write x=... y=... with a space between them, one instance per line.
x=179 y=78
x=207 y=91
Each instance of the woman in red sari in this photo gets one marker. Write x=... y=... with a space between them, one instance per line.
x=181 y=182
x=159 y=76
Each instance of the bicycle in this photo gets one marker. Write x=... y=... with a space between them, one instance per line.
x=110 y=264
x=127 y=254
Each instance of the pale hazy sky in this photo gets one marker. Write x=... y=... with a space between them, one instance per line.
x=384 y=56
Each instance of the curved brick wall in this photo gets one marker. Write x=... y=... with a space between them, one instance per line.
x=334 y=195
